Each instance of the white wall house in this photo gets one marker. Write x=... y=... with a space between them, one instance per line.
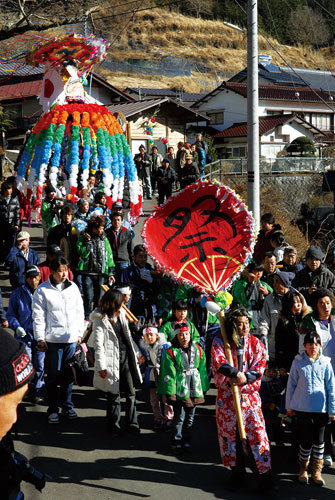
x=276 y=132
x=227 y=104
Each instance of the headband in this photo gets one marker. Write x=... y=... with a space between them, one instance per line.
x=182 y=329
x=126 y=290
x=150 y=329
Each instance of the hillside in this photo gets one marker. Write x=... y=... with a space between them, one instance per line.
x=213 y=44
x=207 y=51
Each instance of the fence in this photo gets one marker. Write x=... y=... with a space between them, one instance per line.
x=239 y=166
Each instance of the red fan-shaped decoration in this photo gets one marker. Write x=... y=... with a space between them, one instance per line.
x=202 y=236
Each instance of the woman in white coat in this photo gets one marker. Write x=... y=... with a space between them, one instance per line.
x=117 y=360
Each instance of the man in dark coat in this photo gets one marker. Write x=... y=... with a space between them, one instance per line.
x=189 y=173
x=121 y=243
x=165 y=179
x=314 y=275
x=9 y=218
x=143 y=162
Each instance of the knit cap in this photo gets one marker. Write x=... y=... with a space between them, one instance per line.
x=16 y=369
x=315 y=252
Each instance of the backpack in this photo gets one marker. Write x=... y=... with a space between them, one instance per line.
x=78 y=366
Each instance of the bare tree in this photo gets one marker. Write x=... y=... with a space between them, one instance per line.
x=200 y=7
x=308 y=27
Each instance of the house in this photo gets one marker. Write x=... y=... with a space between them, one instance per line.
x=227 y=104
x=269 y=73
x=20 y=88
x=186 y=98
x=171 y=122
x=275 y=133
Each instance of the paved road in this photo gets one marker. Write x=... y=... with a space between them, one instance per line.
x=86 y=463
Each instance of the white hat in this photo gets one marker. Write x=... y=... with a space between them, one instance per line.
x=23 y=235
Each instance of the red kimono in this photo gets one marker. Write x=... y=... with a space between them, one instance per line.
x=253 y=360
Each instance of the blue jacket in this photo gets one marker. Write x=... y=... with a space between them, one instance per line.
x=311 y=386
x=18 y=264
x=19 y=312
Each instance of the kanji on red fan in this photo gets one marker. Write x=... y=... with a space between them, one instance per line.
x=202 y=236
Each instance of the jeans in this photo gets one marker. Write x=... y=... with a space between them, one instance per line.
x=119 y=267
x=182 y=423
x=146 y=181
x=56 y=358
x=91 y=292
x=37 y=359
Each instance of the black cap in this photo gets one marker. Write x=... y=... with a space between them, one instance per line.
x=54 y=250
x=166 y=160
x=32 y=271
x=16 y=369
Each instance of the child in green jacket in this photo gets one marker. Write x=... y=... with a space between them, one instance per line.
x=183 y=379
x=179 y=316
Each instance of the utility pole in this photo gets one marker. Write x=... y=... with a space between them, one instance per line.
x=253 y=125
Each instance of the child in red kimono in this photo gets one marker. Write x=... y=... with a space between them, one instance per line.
x=249 y=364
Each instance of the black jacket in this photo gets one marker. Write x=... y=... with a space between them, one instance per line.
x=188 y=174
x=121 y=244
x=58 y=232
x=321 y=277
x=165 y=174
x=142 y=165
x=287 y=340
x=9 y=212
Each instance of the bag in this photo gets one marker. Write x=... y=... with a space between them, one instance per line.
x=79 y=367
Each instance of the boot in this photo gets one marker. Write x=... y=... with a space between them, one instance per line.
x=316 y=472
x=303 y=472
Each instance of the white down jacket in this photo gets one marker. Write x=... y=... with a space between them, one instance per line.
x=107 y=355
x=58 y=316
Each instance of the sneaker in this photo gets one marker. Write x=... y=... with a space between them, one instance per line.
x=116 y=431
x=53 y=418
x=70 y=414
x=327 y=461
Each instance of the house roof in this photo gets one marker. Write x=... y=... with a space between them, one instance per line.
x=266 y=124
x=272 y=92
x=315 y=78
x=183 y=96
x=20 y=90
x=11 y=75
x=271 y=73
x=133 y=108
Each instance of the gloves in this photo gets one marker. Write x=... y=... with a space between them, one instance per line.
x=20 y=332
x=146 y=275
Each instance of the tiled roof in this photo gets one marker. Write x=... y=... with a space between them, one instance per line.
x=275 y=75
x=266 y=123
x=15 y=69
x=272 y=92
x=281 y=93
x=132 y=108
x=22 y=89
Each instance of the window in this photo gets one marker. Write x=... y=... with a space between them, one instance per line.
x=236 y=152
x=216 y=118
x=322 y=121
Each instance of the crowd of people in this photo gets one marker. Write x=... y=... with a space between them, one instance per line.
x=141 y=326
x=178 y=169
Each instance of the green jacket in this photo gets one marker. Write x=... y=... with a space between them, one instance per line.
x=239 y=291
x=85 y=249
x=167 y=329
x=48 y=215
x=173 y=378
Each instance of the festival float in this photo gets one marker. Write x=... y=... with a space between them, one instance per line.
x=75 y=132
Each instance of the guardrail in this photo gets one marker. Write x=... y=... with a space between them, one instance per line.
x=239 y=166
